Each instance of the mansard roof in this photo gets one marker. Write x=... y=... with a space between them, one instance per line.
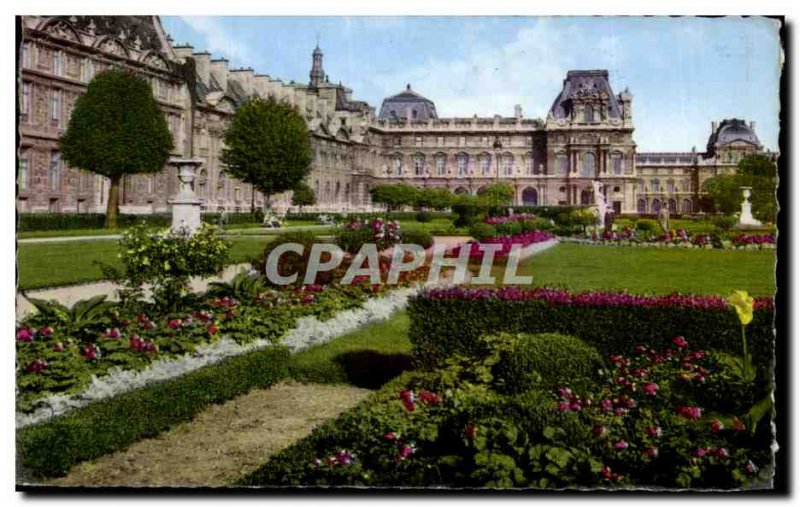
x=126 y=28
x=732 y=130
x=585 y=84
x=406 y=103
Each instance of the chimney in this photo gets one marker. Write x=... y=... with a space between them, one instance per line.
x=713 y=127
x=202 y=62
x=184 y=50
x=753 y=126
x=517 y=111
x=261 y=83
x=244 y=77
x=219 y=70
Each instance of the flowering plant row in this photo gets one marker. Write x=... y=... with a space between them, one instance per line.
x=653 y=418
x=520 y=217
x=627 y=236
x=506 y=243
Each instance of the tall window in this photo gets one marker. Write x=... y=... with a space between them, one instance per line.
x=588 y=114
x=22 y=176
x=54 y=171
x=671 y=186
x=398 y=165
x=655 y=185
x=441 y=165
x=27 y=89
x=562 y=164
x=419 y=165
x=55 y=107
x=641 y=186
x=508 y=164
x=463 y=163
x=587 y=169
x=486 y=164
x=617 y=163
x=58 y=63
x=530 y=164
x=25 y=56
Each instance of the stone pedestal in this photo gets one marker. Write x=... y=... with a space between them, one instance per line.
x=185 y=204
x=746 y=216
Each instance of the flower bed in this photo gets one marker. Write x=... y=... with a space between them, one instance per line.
x=520 y=217
x=678 y=238
x=653 y=418
x=506 y=242
x=444 y=321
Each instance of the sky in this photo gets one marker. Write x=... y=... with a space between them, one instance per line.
x=683 y=73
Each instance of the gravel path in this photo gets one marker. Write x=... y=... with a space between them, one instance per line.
x=224 y=442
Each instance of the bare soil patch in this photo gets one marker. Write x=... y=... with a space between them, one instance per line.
x=224 y=442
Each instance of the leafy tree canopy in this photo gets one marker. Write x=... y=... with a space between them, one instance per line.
x=756 y=171
x=497 y=194
x=395 y=195
x=267 y=145
x=303 y=195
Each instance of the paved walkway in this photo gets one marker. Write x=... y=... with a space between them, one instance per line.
x=223 y=443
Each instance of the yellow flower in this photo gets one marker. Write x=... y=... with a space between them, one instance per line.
x=743 y=304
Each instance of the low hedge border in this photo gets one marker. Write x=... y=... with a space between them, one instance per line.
x=340 y=217
x=51 y=448
x=449 y=321
x=67 y=221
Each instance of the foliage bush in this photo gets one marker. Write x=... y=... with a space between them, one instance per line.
x=290 y=262
x=423 y=217
x=421 y=238
x=69 y=221
x=647 y=226
x=481 y=231
x=547 y=360
x=394 y=215
x=352 y=236
x=51 y=448
x=724 y=223
x=167 y=261
x=451 y=320
x=468 y=210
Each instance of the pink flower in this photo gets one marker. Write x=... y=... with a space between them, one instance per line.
x=564 y=406
x=174 y=324
x=405 y=451
x=620 y=445
x=25 y=335
x=390 y=436
x=575 y=405
x=46 y=331
x=600 y=431
x=565 y=393
x=654 y=431
x=751 y=468
x=650 y=388
x=691 y=413
x=471 y=431
x=716 y=425
x=640 y=349
x=91 y=352
x=606 y=471
x=606 y=405
x=113 y=333
x=308 y=298
x=650 y=452
x=344 y=458
x=640 y=373
x=721 y=453
x=430 y=398
x=680 y=342
x=36 y=366
x=699 y=452
x=316 y=462
x=620 y=411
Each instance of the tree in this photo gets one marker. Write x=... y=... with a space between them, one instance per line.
x=303 y=195
x=117 y=128
x=268 y=146
x=756 y=171
x=435 y=198
x=497 y=195
x=395 y=195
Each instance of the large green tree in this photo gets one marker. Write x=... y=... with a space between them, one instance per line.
x=117 y=128
x=395 y=195
x=756 y=171
x=268 y=146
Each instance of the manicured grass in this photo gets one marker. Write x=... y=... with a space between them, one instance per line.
x=53 y=264
x=651 y=270
x=696 y=226
x=68 y=233
x=367 y=357
x=438 y=225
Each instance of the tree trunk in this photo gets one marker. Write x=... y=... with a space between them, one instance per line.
x=112 y=209
x=253 y=201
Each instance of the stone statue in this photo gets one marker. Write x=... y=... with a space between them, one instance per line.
x=185 y=204
x=663 y=218
x=601 y=206
x=746 y=216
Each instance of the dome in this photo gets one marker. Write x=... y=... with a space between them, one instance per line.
x=407 y=104
x=733 y=130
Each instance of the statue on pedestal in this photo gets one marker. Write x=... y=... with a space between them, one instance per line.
x=185 y=204
x=746 y=216
x=601 y=207
x=663 y=219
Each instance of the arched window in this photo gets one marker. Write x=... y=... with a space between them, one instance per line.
x=641 y=206
x=655 y=206
x=672 y=206
x=617 y=162
x=237 y=194
x=336 y=192
x=463 y=164
x=485 y=161
x=530 y=164
x=397 y=161
x=686 y=206
x=587 y=168
x=441 y=164
x=530 y=197
x=419 y=164
x=562 y=164
x=508 y=164
x=586 y=196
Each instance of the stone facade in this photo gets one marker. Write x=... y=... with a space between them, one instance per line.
x=586 y=136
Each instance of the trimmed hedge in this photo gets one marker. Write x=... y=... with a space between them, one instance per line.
x=49 y=449
x=68 y=221
x=548 y=360
x=442 y=326
x=340 y=217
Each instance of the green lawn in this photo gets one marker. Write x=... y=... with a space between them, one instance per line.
x=51 y=264
x=438 y=225
x=651 y=270
x=367 y=357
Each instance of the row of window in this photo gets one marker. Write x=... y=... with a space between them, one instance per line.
x=55 y=105
x=419 y=141
x=656 y=205
x=655 y=186
x=328 y=189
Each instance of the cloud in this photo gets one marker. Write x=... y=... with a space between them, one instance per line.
x=221 y=40
x=527 y=70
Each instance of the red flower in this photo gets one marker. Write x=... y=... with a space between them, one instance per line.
x=429 y=398
x=58 y=347
x=650 y=388
x=46 y=331
x=25 y=335
x=563 y=406
x=654 y=431
x=717 y=425
x=390 y=436
x=721 y=453
x=699 y=452
x=650 y=452
x=691 y=413
x=36 y=366
x=620 y=445
x=606 y=405
x=212 y=329
x=113 y=333
x=174 y=324
x=738 y=425
x=680 y=342
x=406 y=451
x=600 y=431
x=471 y=431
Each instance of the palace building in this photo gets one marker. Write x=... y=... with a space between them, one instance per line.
x=587 y=135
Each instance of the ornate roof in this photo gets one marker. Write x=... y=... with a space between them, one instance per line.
x=407 y=103
x=138 y=31
x=585 y=85
x=732 y=130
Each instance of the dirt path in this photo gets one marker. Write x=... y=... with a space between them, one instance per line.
x=224 y=442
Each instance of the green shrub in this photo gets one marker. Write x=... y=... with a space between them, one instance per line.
x=423 y=217
x=647 y=226
x=339 y=217
x=421 y=238
x=481 y=231
x=547 y=360
x=69 y=221
x=724 y=223
x=351 y=240
x=468 y=210
x=443 y=326
x=509 y=228
x=49 y=449
x=290 y=262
